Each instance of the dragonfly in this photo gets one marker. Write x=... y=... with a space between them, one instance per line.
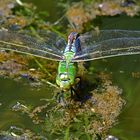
x=78 y=48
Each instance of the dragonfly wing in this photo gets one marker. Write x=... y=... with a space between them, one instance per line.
x=108 y=43
x=27 y=44
x=58 y=41
x=95 y=37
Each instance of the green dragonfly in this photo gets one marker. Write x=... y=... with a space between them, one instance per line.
x=85 y=47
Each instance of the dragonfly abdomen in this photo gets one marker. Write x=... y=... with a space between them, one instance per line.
x=73 y=43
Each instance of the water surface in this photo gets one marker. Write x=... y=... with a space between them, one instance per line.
x=12 y=92
x=125 y=72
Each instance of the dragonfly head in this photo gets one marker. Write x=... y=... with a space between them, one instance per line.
x=65 y=81
x=72 y=37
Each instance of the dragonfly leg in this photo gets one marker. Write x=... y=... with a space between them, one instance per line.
x=60 y=98
x=73 y=91
x=78 y=83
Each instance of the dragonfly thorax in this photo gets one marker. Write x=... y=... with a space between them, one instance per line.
x=68 y=56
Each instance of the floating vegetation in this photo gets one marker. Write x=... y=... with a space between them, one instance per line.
x=79 y=120
x=18 y=67
x=5 y=8
x=16 y=15
x=16 y=133
x=80 y=14
x=92 y=118
x=136 y=75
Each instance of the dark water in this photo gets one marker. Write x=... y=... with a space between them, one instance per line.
x=12 y=92
x=122 y=69
x=50 y=6
x=125 y=72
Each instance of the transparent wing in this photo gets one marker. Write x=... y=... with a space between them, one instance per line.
x=108 y=43
x=48 y=47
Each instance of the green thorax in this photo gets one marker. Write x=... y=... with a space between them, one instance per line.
x=68 y=56
x=67 y=70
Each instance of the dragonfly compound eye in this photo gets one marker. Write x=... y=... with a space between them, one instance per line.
x=64 y=76
x=65 y=85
